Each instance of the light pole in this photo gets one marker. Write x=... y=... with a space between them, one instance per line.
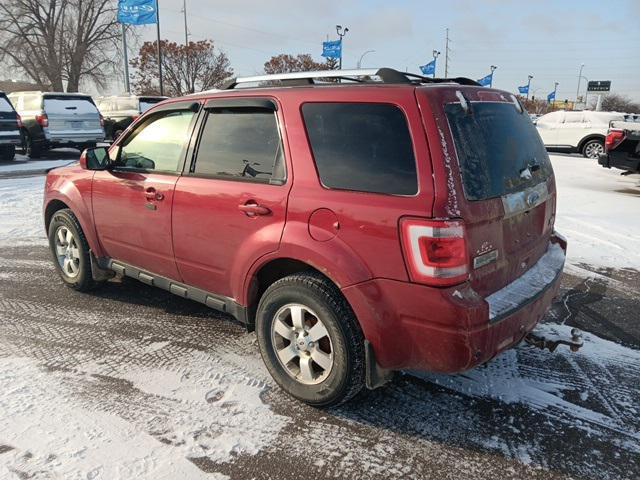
x=529 y=77
x=555 y=90
x=579 y=78
x=436 y=53
x=362 y=56
x=586 y=91
x=341 y=33
x=493 y=69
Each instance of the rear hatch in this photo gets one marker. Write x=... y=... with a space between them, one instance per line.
x=8 y=120
x=71 y=114
x=492 y=171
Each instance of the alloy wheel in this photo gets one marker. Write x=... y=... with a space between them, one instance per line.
x=67 y=252
x=302 y=344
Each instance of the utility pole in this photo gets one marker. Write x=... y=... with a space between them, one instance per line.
x=529 y=85
x=159 y=48
x=125 y=58
x=186 y=32
x=446 y=56
x=341 y=33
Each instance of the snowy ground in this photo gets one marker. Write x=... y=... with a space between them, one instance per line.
x=131 y=382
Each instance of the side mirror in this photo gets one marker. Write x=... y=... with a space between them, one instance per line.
x=95 y=159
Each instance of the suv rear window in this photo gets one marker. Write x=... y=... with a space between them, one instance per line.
x=67 y=104
x=5 y=105
x=495 y=145
x=362 y=147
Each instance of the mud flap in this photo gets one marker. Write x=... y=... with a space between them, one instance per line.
x=552 y=342
x=375 y=376
x=98 y=273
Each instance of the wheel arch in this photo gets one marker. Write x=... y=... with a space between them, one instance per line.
x=593 y=136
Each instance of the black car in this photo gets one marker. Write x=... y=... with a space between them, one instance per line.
x=622 y=145
x=10 y=125
x=121 y=110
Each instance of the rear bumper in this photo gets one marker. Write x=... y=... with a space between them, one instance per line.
x=621 y=160
x=67 y=137
x=450 y=330
x=10 y=138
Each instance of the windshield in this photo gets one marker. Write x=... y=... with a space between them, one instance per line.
x=498 y=148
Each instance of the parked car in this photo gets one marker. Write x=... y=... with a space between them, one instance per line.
x=119 y=111
x=358 y=229
x=9 y=129
x=622 y=145
x=583 y=132
x=53 y=120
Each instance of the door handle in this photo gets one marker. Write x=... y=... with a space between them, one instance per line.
x=151 y=194
x=251 y=209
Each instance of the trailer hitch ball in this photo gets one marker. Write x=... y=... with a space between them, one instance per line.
x=551 y=341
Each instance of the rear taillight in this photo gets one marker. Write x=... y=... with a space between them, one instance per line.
x=42 y=119
x=435 y=251
x=614 y=138
x=19 y=121
x=101 y=121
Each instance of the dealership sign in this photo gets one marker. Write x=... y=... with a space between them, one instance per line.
x=599 y=86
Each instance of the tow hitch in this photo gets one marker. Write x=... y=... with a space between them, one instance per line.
x=551 y=341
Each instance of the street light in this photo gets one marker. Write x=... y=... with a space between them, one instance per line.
x=529 y=77
x=362 y=56
x=341 y=33
x=493 y=69
x=436 y=53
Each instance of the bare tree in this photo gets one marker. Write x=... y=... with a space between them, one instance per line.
x=614 y=102
x=186 y=68
x=54 y=42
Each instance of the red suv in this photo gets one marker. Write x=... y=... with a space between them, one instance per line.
x=375 y=222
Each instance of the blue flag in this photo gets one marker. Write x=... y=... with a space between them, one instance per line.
x=551 y=97
x=429 y=68
x=486 y=81
x=137 y=12
x=524 y=90
x=332 y=49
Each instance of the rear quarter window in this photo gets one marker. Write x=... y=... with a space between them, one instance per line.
x=362 y=147
x=499 y=150
x=5 y=105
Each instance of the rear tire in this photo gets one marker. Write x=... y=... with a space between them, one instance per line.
x=593 y=148
x=310 y=340
x=70 y=251
x=7 y=153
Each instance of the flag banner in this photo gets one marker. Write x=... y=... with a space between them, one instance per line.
x=551 y=97
x=429 y=68
x=332 y=49
x=486 y=81
x=523 y=90
x=137 y=12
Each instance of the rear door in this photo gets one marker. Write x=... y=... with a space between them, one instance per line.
x=70 y=114
x=549 y=127
x=229 y=209
x=502 y=182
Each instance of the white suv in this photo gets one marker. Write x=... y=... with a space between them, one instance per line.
x=582 y=132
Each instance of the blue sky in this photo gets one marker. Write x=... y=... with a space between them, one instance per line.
x=544 y=38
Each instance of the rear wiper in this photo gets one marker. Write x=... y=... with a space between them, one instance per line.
x=529 y=169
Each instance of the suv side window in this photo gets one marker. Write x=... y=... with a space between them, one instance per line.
x=362 y=147
x=158 y=144
x=241 y=144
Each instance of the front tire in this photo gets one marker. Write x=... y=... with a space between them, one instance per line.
x=310 y=340
x=593 y=148
x=70 y=251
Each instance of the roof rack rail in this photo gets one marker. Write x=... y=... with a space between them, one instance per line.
x=386 y=75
